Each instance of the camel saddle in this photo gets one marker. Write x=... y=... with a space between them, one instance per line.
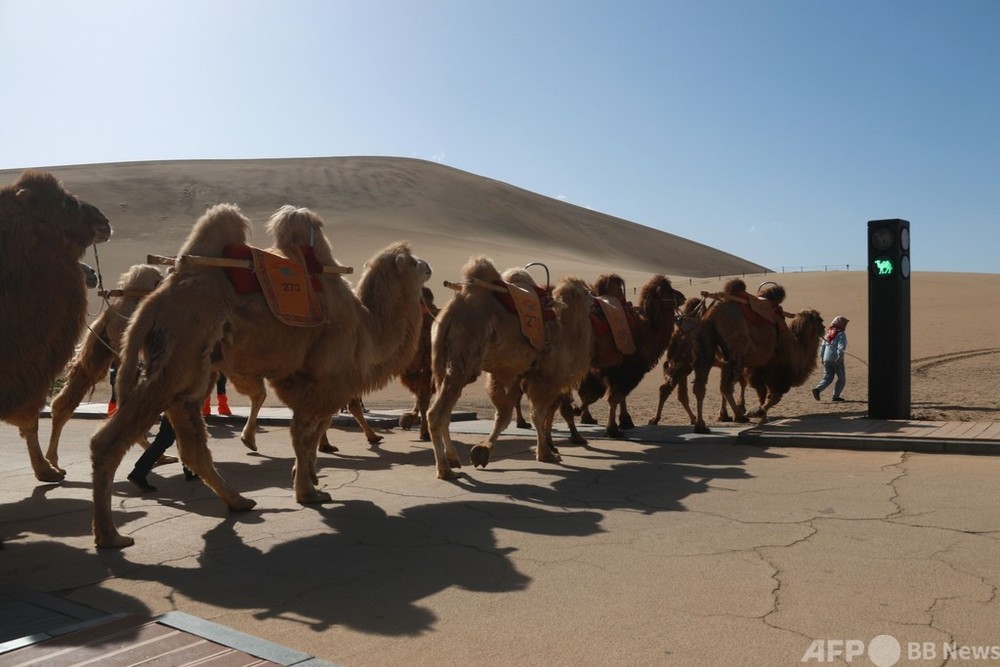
x=289 y=284
x=527 y=304
x=756 y=309
x=618 y=322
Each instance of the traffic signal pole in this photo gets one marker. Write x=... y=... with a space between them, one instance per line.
x=889 y=319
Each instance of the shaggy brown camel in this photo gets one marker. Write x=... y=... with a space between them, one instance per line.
x=679 y=362
x=44 y=231
x=476 y=333
x=366 y=336
x=774 y=357
x=100 y=347
x=614 y=374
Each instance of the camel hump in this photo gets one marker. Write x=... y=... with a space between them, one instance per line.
x=482 y=268
x=221 y=225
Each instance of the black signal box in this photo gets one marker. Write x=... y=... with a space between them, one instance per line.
x=889 y=319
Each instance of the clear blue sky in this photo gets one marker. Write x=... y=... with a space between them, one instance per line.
x=771 y=129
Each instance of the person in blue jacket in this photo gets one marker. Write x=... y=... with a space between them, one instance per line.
x=831 y=353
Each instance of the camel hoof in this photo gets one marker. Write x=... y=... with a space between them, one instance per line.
x=546 y=456
x=578 y=439
x=480 y=456
x=701 y=428
x=241 y=504
x=374 y=440
x=327 y=448
x=453 y=462
x=626 y=423
x=249 y=444
x=614 y=432
x=50 y=475
x=425 y=437
x=407 y=420
x=587 y=419
x=725 y=418
x=653 y=422
x=113 y=541
x=313 y=498
x=446 y=474
x=523 y=424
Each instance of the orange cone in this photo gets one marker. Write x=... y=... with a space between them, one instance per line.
x=224 y=405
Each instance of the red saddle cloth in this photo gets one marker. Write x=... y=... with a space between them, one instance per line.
x=289 y=284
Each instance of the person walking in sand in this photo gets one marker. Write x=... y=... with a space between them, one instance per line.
x=831 y=353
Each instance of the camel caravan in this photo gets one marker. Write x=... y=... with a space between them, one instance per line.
x=220 y=308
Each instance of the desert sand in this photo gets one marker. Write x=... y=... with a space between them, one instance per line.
x=449 y=215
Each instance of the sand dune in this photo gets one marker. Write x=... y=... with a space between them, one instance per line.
x=450 y=215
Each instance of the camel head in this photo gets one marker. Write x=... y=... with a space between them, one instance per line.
x=76 y=223
x=610 y=284
x=807 y=325
x=659 y=289
x=394 y=265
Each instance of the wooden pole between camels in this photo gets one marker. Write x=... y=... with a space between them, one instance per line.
x=478 y=282
x=230 y=263
x=722 y=296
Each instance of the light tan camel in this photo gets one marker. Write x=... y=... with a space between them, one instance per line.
x=476 y=333
x=614 y=374
x=99 y=349
x=774 y=357
x=416 y=377
x=44 y=231
x=196 y=318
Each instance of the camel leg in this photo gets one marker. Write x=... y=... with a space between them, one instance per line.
x=438 y=422
x=625 y=421
x=357 y=411
x=505 y=398
x=253 y=387
x=107 y=448
x=28 y=427
x=423 y=404
x=521 y=421
x=306 y=432
x=614 y=401
x=566 y=412
x=700 y=382
x=665 y=389
x=66 y=401
x=684 y=400
x=192 y=444
x=543 y=411
x=408 y=419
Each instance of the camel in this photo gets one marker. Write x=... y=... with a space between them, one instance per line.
x=196 y=318
x=773 y=357
x=615 y=374
x=679 y=361
x=475 y=333
x=44 y=231
x=99 y=349
x=416 y=377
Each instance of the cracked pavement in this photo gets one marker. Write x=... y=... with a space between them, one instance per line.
x=626 y=553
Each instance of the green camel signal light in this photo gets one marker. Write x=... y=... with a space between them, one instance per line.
x=884 y=267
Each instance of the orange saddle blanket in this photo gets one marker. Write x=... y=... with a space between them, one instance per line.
x=289 y=285
x=617 y=319
x=529 y=311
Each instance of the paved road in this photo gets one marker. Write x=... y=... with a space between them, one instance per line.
x=685 y=551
